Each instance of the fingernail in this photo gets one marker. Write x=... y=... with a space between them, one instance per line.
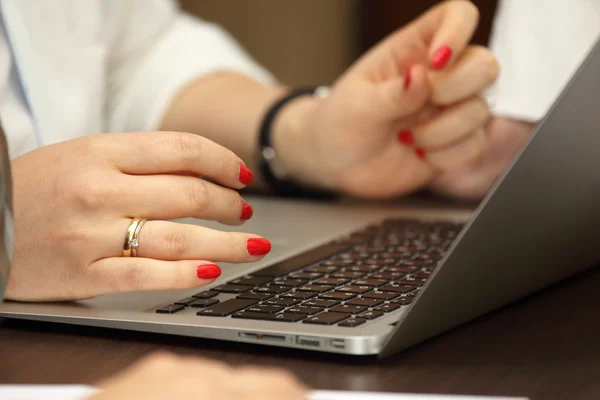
x=258 y=246
x=408 y=78
x=406 y=137
x=208 y=271
x=441 y=57
x=246 y=211
x=246 y=176
x=420 y=153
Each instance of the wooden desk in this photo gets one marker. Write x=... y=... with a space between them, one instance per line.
x=545 y=347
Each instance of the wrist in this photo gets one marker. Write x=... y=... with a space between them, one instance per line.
x=295 y=143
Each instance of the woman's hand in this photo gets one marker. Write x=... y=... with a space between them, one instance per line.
x=75 y=200
x=404 y=113
x=163 y=376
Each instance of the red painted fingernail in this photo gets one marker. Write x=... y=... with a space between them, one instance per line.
x=246 y=211
x=246 y=176
x=420 y=153
x=441 y=57
x=408 y=78
x=406 y=137
x=208 y=271
x=258 y=247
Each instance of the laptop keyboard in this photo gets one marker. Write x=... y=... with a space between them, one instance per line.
x=348 y=282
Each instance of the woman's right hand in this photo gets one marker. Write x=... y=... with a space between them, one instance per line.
x=163 y=376
x=75 y=200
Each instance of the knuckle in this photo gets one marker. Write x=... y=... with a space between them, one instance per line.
x=135 y=277
x=488 y=62
x=199 y=196
x=188 y=146
x=176 y=243
x=468 y=8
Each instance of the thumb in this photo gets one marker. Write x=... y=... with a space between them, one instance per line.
x=402 y=97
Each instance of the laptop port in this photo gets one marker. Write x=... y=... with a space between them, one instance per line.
x=262 y=337
x=308 y=341
x=338 y=344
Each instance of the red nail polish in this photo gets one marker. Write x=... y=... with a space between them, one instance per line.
x=208 y=271
x=246 y=211
x=246 y=176
x=407 y=78
x=406 y=137
x=420 y=153
x=258 y=247
x=441 y=57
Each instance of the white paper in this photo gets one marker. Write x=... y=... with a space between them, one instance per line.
x=80 y=392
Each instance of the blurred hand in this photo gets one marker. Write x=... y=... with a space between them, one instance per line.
x=164 y=376
x=75 y=200
x=406 y=112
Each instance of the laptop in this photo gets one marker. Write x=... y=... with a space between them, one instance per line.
x=374 y=280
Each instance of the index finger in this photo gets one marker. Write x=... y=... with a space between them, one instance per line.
x=447 y=29
x=154 y=153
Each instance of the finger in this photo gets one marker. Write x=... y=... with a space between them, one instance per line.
x=170 y=197
x=476 y=70
x=128 y=274
x=447 y=30
x=401 y=97
x=452 y=125
x=171 y=241
x=459 y=154
x=147 y=153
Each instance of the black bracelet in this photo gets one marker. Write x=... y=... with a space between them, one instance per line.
x=282 y=186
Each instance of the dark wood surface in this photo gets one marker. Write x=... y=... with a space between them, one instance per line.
x=545 y=347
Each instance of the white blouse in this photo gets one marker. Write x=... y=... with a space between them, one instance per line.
x=540 y=44
x=70 y=68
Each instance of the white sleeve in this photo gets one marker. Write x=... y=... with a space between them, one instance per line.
x=540 y=44
x=157 y=50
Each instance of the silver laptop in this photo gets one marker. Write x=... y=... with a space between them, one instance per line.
x=373 y=280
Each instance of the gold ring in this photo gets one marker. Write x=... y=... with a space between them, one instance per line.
x=132 y=237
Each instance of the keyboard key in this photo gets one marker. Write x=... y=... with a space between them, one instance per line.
x=251 y=281
x=413 y=281
x=349 y=274
x=308 y=275
x=325 y=269
x=371 y=282
x=332 y=281
x=352 y=322
x=285 y=317
x=400 y=268
x=226 y=308
x=272 y=289
x=233 y=289
x=389 y=307
x=285 y=302
x=397 y=288
x=377 y=294
x=404 y=300
x=363 y=268
x=305 y=310
x=339 y=262
x=293 y=282
x=326 y=318
x=354 y=289
x=337 y=296
x=315 y=288
x=320 y=303
x=265 y=308
x=422 y=274
x=206 y=295
x=348 y=309
x=186 y=302
x=298 y=295
x=365 y=302
x=380 y=261
x=170 y=309
x=203 y=303
x=255 y=296
x=371 y=314
x=390 y=276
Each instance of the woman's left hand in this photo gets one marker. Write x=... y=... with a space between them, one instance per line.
x=403 y=114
